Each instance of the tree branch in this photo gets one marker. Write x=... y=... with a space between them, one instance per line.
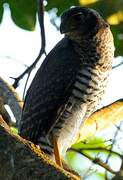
x=101 y=149
x=102 y=119
x=116 y=66
x=9 y=96
x=95 y=160
x=21 y=159
x=4 y=113
x=42 y=50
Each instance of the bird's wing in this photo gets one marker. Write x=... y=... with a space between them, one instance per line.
x=49 y=91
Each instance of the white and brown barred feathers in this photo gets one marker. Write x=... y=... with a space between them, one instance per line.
x=71 y=81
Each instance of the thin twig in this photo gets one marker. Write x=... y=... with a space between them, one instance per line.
x=98 y=149
x=121 y=63
x=14 y=59
x=95 y=161
x=113 y=142
x=119 y=128
x=42 y=50
x=89 y=172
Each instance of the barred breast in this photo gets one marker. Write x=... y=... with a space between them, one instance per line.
x=87 y=92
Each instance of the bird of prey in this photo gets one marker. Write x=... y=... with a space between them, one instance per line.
x=70 y=83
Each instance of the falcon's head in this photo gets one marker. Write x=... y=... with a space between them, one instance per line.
x=81 y=20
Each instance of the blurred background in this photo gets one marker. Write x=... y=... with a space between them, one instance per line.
x=20 y=43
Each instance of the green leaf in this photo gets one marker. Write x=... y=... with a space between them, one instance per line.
x=1 y=11
x=70 y=156
x=23 y=13
x=94 y=142
x=61 y=5
x=99 y=175
x=117 y=31
x=94 y=147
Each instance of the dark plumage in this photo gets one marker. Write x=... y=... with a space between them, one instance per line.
x=71 y=81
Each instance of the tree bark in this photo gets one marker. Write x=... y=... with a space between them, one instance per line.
x=11 y=98
x=22 y=160
x=103 y=119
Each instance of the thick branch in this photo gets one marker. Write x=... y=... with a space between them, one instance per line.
x=102 y=119
x=21 y=159
x=11 y=98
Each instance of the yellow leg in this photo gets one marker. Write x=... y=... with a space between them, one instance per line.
x=59 y=160
x=56 y=152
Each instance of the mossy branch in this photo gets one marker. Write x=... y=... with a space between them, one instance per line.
x=21 y=159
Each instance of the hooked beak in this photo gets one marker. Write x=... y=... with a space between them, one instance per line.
x=63 y=28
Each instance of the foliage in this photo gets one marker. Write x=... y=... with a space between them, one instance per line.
x=94 y=154
x=57 y=4
x=23 y=13
x=1 y=11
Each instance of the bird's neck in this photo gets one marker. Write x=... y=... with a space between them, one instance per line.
x=86 y=48
x=91 y=48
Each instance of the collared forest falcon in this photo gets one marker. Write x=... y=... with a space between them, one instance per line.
x=70 y=82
